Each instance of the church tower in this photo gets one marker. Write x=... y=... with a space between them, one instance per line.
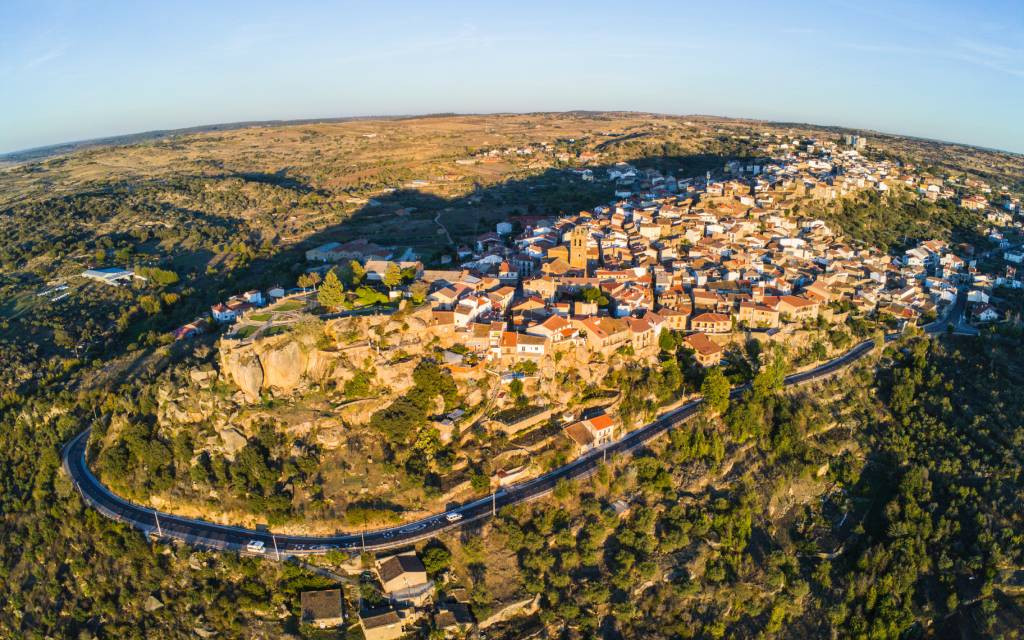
x=578 y=248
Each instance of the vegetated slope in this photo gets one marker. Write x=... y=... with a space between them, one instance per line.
x=68 y=572
x=913 y=528
x=899 y=220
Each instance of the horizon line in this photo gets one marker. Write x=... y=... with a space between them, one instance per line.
x=55 y=149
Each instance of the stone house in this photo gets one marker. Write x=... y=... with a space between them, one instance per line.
x=404 y=578
x=592 y=433
x=705 y=351
x=321 y=609
x=711 y=323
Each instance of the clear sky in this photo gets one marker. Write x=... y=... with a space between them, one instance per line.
x=72 y=70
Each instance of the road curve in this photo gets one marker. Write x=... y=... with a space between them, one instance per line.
x=215 y=536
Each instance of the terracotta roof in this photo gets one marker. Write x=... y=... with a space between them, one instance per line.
x=554 y=323
x=638 y=325
x=797 y=301
x=711 y=317
x=527 y=339
x=601 y=422
x=702 y=344
x=443 y=317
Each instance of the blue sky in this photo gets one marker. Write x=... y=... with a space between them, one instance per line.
x=75 y=70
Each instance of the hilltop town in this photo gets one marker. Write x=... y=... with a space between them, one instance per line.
x=358 y=346
x=715 y=260
x=538 y=318
x=539 y=323
x=711 y=257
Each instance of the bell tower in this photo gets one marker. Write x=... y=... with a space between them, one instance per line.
x=578 y=248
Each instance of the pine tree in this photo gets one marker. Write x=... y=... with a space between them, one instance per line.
x=332 y=294
x=715 y=390
x=357 y=271
x=392 y=276
x=666 y=341
x=309 y=280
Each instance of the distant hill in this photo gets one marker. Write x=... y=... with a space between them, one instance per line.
x=39 y=153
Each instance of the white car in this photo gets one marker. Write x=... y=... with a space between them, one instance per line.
x=453 y=517
x=256 y=546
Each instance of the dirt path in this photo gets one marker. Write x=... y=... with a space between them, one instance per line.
x=437 y=221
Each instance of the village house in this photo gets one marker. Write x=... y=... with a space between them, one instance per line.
x=453 y=619
x=604 y=334
x=705 y=351
x=591 y=433
x=360 y=249
x=192 y=329
x=711 y=323
x=322 y=609
x=675 y=319
x=984 y=313
x=516 y=347
x=226 y=313
x=554 y=329
x=793 y=308
x=756 y=315
x=403 y=578
x=642 y=335
x=386 y=624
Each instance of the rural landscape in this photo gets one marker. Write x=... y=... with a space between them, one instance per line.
x=564 y=375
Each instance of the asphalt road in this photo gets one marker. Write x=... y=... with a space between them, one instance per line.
x=210 y=535
x=955 y=316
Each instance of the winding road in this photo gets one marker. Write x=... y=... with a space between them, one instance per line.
x=215 y=536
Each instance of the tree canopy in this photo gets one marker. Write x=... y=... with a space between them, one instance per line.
x=332 y=293
x=715 y=390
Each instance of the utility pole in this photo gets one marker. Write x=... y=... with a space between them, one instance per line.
x=494 y=503
x=159 y=533
x=276 y=552
x=362 y=531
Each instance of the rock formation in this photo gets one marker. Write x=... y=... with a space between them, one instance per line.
x=283 y=365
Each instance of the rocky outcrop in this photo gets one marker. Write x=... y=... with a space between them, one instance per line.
x=330 y=438
x=177 y=412
x=506 y=610
x=283 y=366
x=243 y=367
x=397 y=376
x=232 y=440
x=284 y=362
x=203 y=378
x=359 y=411
x=320 y=364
